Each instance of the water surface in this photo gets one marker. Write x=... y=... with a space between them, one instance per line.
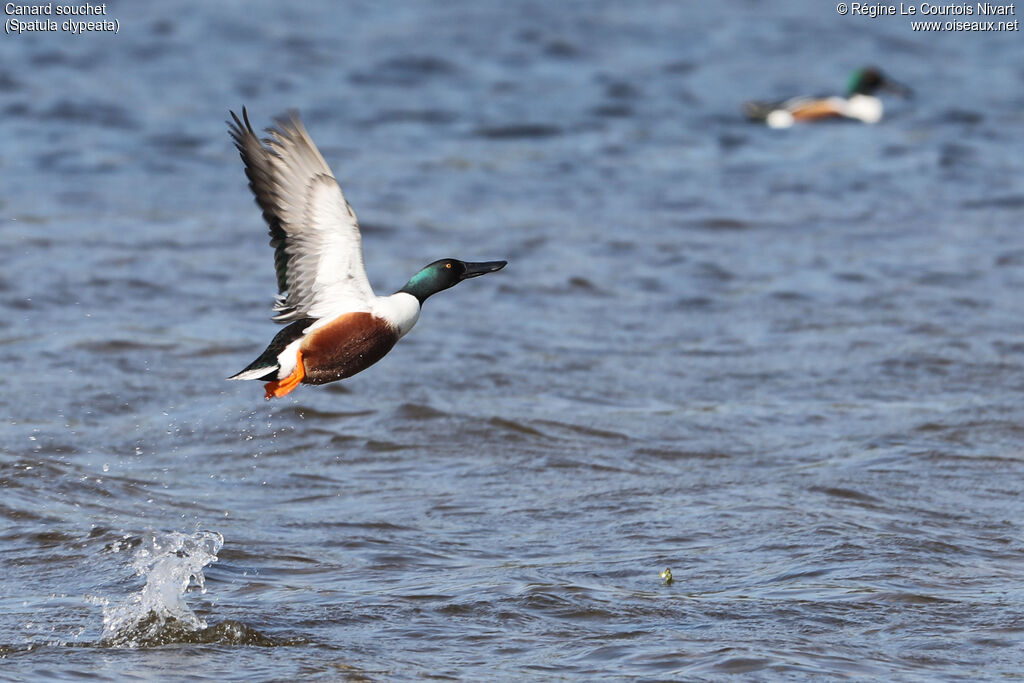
x=786 y=364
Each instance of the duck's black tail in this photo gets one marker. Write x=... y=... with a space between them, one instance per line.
x=266 y=366
x=758 y=111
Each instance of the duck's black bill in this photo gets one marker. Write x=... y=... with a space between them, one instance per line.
x=482 y=268
x=897 y=88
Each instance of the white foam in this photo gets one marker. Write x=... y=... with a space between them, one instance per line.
x=171 y=565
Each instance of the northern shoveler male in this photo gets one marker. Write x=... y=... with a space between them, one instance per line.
x=338 y=325
x=860 y=103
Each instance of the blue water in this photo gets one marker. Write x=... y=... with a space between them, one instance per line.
x=786 y=364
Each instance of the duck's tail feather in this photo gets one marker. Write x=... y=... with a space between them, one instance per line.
x=261 y=372
x=758 y=111
x=266 y=366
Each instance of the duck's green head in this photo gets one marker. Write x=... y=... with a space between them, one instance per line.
x=448 y=272
x=869 y=80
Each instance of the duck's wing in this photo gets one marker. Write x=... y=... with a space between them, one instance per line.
x=781 y=114
x=808 y=108
x=318 y=252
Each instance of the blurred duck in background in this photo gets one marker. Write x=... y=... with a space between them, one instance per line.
x=861 y=102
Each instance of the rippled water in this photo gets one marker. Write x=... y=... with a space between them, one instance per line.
x=785 y=364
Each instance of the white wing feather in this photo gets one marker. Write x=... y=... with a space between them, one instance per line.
x=313 y=228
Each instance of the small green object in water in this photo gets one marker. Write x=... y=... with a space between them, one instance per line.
x=666 y=576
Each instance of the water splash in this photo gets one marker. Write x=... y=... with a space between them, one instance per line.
x=158 y=614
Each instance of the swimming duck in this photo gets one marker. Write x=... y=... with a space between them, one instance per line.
x=860 y=103
x=338 y=326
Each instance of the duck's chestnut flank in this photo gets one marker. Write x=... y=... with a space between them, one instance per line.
x=347 y=345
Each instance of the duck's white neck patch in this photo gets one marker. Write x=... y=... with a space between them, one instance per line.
x=401 y=310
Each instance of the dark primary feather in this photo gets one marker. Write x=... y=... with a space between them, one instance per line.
x=258 y=169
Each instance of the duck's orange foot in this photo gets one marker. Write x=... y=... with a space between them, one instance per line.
x=283 y=387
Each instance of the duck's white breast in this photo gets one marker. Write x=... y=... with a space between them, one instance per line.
x=401 y=310
x=866 y=108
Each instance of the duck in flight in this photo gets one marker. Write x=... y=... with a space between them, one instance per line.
x=861 y=102
x=337 y=325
